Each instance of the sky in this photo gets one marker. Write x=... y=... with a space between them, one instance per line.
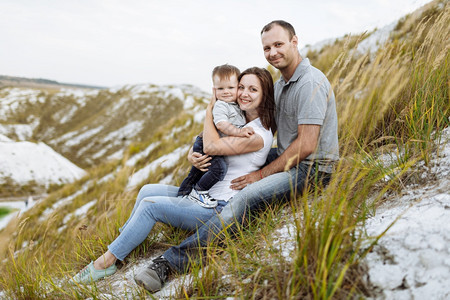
x=111 y=43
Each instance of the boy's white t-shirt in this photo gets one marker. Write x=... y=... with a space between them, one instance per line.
x=242 y=164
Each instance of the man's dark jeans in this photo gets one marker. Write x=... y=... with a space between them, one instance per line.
x=278 y=187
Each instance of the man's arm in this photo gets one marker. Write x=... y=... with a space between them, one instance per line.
x=298 y=150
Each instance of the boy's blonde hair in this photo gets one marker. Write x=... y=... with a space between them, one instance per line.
x=225 y=71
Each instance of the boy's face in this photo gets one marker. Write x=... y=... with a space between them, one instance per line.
x=226 y=89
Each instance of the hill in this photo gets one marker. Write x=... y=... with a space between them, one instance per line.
x=392 y=102
x=92 y=127
x=12 y=81
x=25 y=163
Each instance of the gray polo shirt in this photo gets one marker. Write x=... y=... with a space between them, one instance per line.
x=308 y=98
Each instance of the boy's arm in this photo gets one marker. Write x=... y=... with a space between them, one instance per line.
x=231 y=130
x=221 y=112
x=213 y=144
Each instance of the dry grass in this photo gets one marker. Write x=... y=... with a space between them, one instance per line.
x=394 y=99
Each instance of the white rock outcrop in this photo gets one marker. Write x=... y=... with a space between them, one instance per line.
x=25 y=162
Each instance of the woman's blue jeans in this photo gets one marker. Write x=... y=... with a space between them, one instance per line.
x=159 y=203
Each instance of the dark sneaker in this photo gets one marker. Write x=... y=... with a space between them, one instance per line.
x=203 y=198
x=153 y=277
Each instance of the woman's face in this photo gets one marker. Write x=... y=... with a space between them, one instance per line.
x=250 y=93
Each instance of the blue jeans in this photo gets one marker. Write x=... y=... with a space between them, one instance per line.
x=203 y=181
x=276 y=187
x=159 y=203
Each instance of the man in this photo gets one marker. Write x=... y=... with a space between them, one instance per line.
x=307 y=149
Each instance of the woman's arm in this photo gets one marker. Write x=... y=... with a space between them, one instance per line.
x=198 y=160
x=230 y=145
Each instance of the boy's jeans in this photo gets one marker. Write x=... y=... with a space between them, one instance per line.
x=203 y=181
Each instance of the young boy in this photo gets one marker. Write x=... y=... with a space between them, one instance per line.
x=228 y=119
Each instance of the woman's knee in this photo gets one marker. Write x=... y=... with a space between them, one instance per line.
x=150 y=190
x=145 y=191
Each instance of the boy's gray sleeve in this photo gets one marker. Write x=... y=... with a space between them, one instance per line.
x=220 y=112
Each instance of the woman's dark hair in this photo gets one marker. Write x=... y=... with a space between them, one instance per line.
x=266 y=109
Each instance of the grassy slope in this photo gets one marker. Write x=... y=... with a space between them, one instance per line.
x=393 y=100
x=61 y=119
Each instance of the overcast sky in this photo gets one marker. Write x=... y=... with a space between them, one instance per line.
x=112 y=42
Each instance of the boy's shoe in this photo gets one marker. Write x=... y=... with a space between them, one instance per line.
x=203 y=198
x=89 y=274
x=153 y=277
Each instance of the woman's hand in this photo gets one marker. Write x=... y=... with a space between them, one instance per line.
x=199 y=160
x=213 y=100
x=241 y=182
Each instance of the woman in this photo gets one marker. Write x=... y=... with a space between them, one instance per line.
x=159 y=203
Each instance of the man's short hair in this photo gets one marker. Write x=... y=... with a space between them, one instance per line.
x=225 y=71
x=287 y=26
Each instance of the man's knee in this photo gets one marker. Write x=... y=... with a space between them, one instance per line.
x=231 y=213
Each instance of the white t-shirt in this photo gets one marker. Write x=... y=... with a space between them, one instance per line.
x=242 y=164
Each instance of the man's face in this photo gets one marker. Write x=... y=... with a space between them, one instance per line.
x=278 y=49
x=226 y=89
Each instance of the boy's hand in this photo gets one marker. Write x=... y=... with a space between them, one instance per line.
x=246 y=132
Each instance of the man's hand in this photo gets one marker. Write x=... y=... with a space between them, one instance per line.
x=246 y=132
x=199 y=161
x=241 y=182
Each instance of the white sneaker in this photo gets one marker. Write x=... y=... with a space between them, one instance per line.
x=203 y=198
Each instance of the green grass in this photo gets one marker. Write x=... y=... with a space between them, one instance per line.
x=4 y=211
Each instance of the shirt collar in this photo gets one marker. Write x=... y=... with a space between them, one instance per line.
x=299 y=72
